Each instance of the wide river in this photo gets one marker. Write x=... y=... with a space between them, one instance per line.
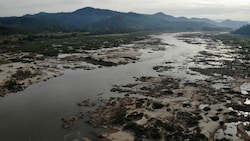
x=35 y=113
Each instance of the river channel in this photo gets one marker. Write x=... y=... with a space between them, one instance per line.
x=35 y=113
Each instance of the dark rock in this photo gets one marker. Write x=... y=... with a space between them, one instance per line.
x=99 y=62
x=166 y=92
x=238 y=107
x=157 y=105
x=139 y=103
x=180 y=94
x=13 y=86
x=67 y=125
x=22 y=74
x=68 y=121
x=168 y=110
x=219 y=110
x=86 y=103
x=222 y=123
x=188 y=118
x=101 y=136
x=206 y=109
x=134 y=116
x=186 y=105
x=215 y=118
x=126 y=95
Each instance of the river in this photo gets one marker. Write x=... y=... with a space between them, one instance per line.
x=35 y=113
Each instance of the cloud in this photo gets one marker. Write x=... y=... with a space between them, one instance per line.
x=21 y=7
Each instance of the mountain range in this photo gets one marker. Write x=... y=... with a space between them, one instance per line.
x=100 y=21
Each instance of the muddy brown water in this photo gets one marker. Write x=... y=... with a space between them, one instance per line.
x=35 y=113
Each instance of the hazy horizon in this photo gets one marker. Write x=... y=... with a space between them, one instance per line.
x=212 y=9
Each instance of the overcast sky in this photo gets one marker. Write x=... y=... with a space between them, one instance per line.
x=213 y=9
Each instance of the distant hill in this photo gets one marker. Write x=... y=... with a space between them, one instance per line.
x=32 y=25
x=80 y=17
x=107 y=21
x=233 y=24
x=164 y=16
x=244 y=30
x=226 y=23
x=116 y=24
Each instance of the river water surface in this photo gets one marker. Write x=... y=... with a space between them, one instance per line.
x=35 y=113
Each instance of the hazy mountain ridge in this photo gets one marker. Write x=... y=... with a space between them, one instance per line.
x=244 y=30
x=225 y=23
x=233 y=24
x=28 y=24
x=108 y=21
x=79 y=17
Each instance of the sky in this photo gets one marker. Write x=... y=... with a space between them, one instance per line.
x=213 y=9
